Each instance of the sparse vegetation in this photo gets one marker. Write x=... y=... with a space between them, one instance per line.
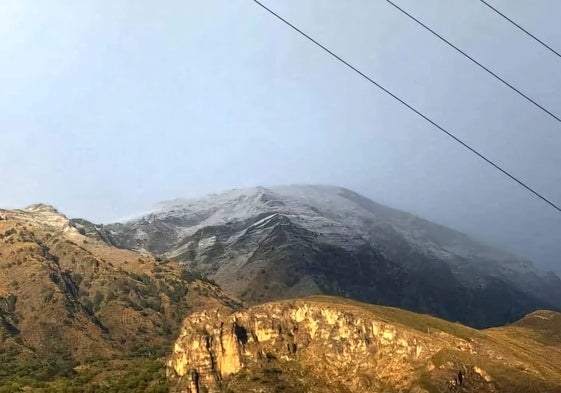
x=74 y=315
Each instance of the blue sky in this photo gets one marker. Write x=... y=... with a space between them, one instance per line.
x=108 y=107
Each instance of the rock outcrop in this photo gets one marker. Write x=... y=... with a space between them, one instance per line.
x=338 y=346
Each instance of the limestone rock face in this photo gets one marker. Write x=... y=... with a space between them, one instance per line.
x=324 y=344
x=351 y=349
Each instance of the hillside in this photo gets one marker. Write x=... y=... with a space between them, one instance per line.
x=265 y=244
x=67 y=299
x=79 y=314
x=324 y=344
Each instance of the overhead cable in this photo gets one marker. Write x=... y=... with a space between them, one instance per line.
x=403 y=102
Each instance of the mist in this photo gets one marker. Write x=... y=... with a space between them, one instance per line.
x=108 y=107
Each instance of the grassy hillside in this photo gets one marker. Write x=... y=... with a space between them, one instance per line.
x=69 y=303
x=524 y=357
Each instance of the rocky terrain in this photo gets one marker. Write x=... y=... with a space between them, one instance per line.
x=99 y=308
x=334 y=345
x=266 y=244
x=66 y=298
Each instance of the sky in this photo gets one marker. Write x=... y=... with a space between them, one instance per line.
x=110 y=106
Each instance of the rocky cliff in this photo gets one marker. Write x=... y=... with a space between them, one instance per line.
x=333 y=345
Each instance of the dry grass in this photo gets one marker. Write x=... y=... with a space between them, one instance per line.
x=64 y=295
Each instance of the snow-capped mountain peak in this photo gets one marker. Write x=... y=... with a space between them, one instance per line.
x=265 y=243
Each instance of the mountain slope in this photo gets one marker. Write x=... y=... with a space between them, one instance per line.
x=66 y=298
x=324 y=344
x=264 y=244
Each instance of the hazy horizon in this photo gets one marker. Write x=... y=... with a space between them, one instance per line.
x=109 y=107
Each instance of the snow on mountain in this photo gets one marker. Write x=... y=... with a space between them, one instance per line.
x=278 y=242
x=326 y=210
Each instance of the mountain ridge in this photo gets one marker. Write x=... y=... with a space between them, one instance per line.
x=66 y=297
x=76 y=311
x=179 y=203
x=268 y=243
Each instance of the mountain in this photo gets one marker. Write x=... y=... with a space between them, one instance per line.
x=67 y=299
x=264 y=244
x=335 y=345
x=79 y=314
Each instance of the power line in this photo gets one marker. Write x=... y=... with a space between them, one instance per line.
x=448 y=133
x=474 y=61
x=522 y=29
